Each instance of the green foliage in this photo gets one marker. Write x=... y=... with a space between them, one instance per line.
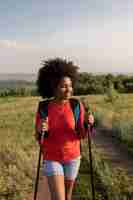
x=18 y=151
x=89 y=107
x=16 y=172
x=17 y=88
x=114 y=183
x=123 y=130
x=19 y=91
x=111 y=94
x=116 y=116
x=87 y=83
x=98 y=84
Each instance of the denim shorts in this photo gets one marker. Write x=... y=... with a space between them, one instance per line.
x=68 y=169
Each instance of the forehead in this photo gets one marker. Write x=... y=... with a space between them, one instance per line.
x=66 y=80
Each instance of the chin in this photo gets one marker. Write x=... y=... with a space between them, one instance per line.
x=67 y=97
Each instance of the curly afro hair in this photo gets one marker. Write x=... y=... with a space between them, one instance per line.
x=50 y=74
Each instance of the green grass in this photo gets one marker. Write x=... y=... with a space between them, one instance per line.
x=18 y=149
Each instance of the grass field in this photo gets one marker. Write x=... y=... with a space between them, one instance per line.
x=18 y=149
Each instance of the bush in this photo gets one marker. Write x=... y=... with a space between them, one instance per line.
x=122 y=130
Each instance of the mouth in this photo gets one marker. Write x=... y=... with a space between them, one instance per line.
x=67 y=94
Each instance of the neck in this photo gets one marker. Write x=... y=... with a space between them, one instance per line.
x=61 y=100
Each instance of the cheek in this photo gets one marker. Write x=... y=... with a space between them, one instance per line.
x=68 y=90
x=61 y=91
x=71 y=90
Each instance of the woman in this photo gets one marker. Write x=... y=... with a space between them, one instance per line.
x=61 y=149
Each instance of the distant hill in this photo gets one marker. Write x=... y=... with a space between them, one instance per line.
x=18 y=77
x=33 y=77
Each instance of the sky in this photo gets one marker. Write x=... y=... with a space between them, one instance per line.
x=95 y=34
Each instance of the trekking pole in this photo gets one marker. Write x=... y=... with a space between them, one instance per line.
x=90 y=127
x=37 y=176
x=38 y=168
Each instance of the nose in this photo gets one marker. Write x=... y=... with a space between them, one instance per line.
x=68 y=89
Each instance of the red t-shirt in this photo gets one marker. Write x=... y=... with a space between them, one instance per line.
x=63 y=142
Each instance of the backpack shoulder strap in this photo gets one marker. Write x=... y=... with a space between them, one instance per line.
x=43 y=108
x=75 y=105
x=43 y=111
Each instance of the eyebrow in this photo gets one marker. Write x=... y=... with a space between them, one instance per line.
x=63 y=84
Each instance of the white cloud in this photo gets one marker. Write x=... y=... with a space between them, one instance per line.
x=12 y=44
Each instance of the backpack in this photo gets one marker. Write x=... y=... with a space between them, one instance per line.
x=75 y=106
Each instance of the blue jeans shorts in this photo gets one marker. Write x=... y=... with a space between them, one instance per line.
x=68 y=169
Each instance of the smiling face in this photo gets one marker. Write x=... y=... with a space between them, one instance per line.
x=64 y=89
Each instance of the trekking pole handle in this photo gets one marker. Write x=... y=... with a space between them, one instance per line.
x=90 y=127
x=90 y=121
x=44 y=128
x=42 y=136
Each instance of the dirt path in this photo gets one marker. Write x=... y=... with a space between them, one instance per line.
x=113 y=151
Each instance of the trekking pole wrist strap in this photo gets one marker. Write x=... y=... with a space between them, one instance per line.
x=42 y=136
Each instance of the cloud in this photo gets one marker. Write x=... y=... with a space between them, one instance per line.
x=95 y=42
x=12 y=44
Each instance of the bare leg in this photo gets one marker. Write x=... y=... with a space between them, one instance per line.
x=43 y=189
x=69 y=184
x=56 y=187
